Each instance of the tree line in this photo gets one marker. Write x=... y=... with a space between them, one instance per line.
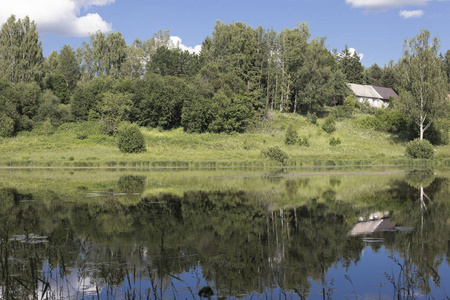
x=240 y=73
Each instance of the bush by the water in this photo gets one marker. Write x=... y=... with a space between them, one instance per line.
x=419 y=149
x=329 y=125
x=275 y=153
x=131 y=139
x=303 y=141
x=291 y=135
x=335 y=141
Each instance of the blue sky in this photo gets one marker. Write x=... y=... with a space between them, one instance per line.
x=375 y=28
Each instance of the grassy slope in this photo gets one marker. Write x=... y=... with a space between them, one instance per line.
x=178 y=148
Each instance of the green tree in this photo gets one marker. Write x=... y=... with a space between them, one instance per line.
x=130 y=139
x=320 y=82
x=373 y=75
x=329 y=125
x=424 y=84
x=158 y=101
x=293 y=47
x=291 y=136
x=57 y=84
x=21 y=56
x=52 y=109
x=87 y=96
x=69 y=67
x=219 y=103
x=350 y=65
x=174 y=62
x=390 y=78
x=234 y=48
x=133 y=66
x=113 y=109
x=103 y=55
x=115 y=54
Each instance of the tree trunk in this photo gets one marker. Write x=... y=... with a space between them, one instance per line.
x=421 y=131
x=295 y=102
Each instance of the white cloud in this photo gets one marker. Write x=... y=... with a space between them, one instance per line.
x=379 y=5
x=177 y=43
x=61 y=17
x=353 y=51
x=406 y=14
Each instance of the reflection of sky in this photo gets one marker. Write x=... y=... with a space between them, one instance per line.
x=369 y=280
x=69 y=286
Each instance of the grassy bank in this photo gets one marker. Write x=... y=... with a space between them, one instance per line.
x=84 y=145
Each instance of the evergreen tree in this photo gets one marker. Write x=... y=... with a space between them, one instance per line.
x=350 y=65
x=389 y=77
x=373 y=75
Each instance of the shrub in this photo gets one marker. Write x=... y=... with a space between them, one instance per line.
x=303 y=141
x=47 y=127
x=131 y=140
x=329 y=125
x=335 y=141
x=312 y=118
x=291 y=136
x=419 y=149
x=6 y=126
x=275 y=153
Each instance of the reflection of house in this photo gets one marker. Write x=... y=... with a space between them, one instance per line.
x=369 y=227
x=374 y=95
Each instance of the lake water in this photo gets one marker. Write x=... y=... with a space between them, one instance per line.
x=296 y=233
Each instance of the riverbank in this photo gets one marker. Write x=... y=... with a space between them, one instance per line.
x=84 y=145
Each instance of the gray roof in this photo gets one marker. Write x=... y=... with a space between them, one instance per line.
x=369 y=91
x=385 y=93
x=371 y=227
x=365 y=91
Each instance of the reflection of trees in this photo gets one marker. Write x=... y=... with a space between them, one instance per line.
x=427 y=210
x=241 y=244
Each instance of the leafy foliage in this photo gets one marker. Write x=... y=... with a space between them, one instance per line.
x=303 y=141
x=291 y=135
x=424 y=86
x=6 y=126
x=20 y=51
x=130 y=139
x=276 y=154
x=420 y=149
x=329 y=125
x=335 y=141
x=113 y=109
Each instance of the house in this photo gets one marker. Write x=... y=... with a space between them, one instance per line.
x=376 y=96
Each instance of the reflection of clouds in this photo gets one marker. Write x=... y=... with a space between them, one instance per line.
x=66 y=286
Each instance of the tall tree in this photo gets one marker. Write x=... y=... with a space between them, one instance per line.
x=134 y=65
x=373 y=75
x=424 y=90
x=174 y=62
x=389 y=77
x=115 y=54
x=234 y=48
x=446 y=65
x=293 y=48
x=103 y=55
x=350 y=65
x=68 y=67
x=21 y=56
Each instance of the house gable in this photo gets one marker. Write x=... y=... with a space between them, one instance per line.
x=374 y=95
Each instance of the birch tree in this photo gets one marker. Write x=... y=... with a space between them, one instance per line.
x=423 y=82
x=21 y=56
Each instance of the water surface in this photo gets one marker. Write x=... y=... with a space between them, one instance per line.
x=338 y=233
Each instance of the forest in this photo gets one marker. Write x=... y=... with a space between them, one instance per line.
x=240 y=74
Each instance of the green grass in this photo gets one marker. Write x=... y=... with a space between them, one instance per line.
x=83 y=145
